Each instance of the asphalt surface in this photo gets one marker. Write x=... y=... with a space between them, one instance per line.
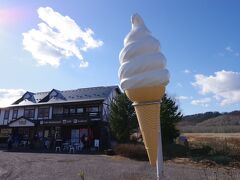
x=43 y=166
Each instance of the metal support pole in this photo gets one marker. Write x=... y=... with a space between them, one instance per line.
x=160 y=157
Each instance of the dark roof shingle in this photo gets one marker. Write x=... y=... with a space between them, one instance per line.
x=81 y=94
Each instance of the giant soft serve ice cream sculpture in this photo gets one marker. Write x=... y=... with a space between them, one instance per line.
x=143 y=77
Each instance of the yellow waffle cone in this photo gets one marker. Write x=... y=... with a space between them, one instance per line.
x=148 y=94
x=147 y=107
x=148 y=119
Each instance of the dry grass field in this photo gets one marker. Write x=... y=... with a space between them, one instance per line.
x=222 y=148
x=231 y=140
x=212 y=135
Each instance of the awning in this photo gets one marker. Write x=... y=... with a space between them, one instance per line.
x=21 y=122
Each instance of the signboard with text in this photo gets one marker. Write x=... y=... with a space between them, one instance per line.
x=5 y=132
x=64 y=121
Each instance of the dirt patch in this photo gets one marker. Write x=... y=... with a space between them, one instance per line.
x=40 y=166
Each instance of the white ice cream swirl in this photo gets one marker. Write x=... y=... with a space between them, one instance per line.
x=142 y=63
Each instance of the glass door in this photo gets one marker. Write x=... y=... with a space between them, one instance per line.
x=75 y=136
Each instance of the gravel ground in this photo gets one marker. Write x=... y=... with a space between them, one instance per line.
x=42 y=166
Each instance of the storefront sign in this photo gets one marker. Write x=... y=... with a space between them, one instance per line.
x=95 y=119
x=51 y=122
x=96 y=143
x=22 y=121
x=82 y=120
x=5 y=132
x=69 y=121
x=65 y=121
x=75 y=121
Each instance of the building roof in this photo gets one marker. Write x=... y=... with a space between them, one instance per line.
x=57 y=96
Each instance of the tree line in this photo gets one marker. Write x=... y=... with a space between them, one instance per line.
x=123 y=120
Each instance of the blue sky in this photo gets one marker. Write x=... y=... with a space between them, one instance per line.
x=200 y=40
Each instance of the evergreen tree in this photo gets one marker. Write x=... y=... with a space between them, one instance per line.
x=122 y=118
x=169 y=116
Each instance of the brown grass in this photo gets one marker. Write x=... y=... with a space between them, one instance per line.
x=210 y=129
x=133 y=151
x=213 y=135
x=231 y=142
x=221 y=148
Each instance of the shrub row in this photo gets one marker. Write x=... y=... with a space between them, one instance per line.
x=133 y=151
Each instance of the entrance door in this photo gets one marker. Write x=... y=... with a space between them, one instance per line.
x=23 y=133
x=83 y=131
x=75 y=136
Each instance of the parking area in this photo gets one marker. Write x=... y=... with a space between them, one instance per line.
x=39 y=166
x=42 y=166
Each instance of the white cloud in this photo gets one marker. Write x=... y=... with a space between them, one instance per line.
x=229 y=49
x=232 y=52
x=236 y=54
x=224 y=85
x=187 y=71
x=183 y=97
x=201 y=102
x=179 y=85
x=58 y=37
x=221 y=54
x=8 y=96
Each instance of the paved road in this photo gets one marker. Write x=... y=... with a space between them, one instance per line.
x=38 y=166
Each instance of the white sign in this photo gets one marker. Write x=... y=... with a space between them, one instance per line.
x=96 y=143
x=6 y=131
x=21 y=123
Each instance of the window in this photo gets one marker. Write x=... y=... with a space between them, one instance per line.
x=6 y=114
x=43 y=112
x=72 y=110
x=15 y=113
x=79 y=110
x=93 y=114
x=92 y=109
x=58 y=133
x=57 y=110
x=29 y=113
x=65 y=110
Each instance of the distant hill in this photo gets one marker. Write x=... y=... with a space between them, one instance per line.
x=223 y=120
x=211 y=122
x=198 y=118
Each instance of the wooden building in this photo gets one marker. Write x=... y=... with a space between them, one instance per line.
x=60 y=115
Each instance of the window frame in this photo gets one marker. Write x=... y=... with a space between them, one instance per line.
x=15 y=110
x=81 y=111
x=45 y=113
x=58 y=109
x=28 y=110
x=91 y=109
x=65 y=113
x=70 y=108
x=7 y=111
